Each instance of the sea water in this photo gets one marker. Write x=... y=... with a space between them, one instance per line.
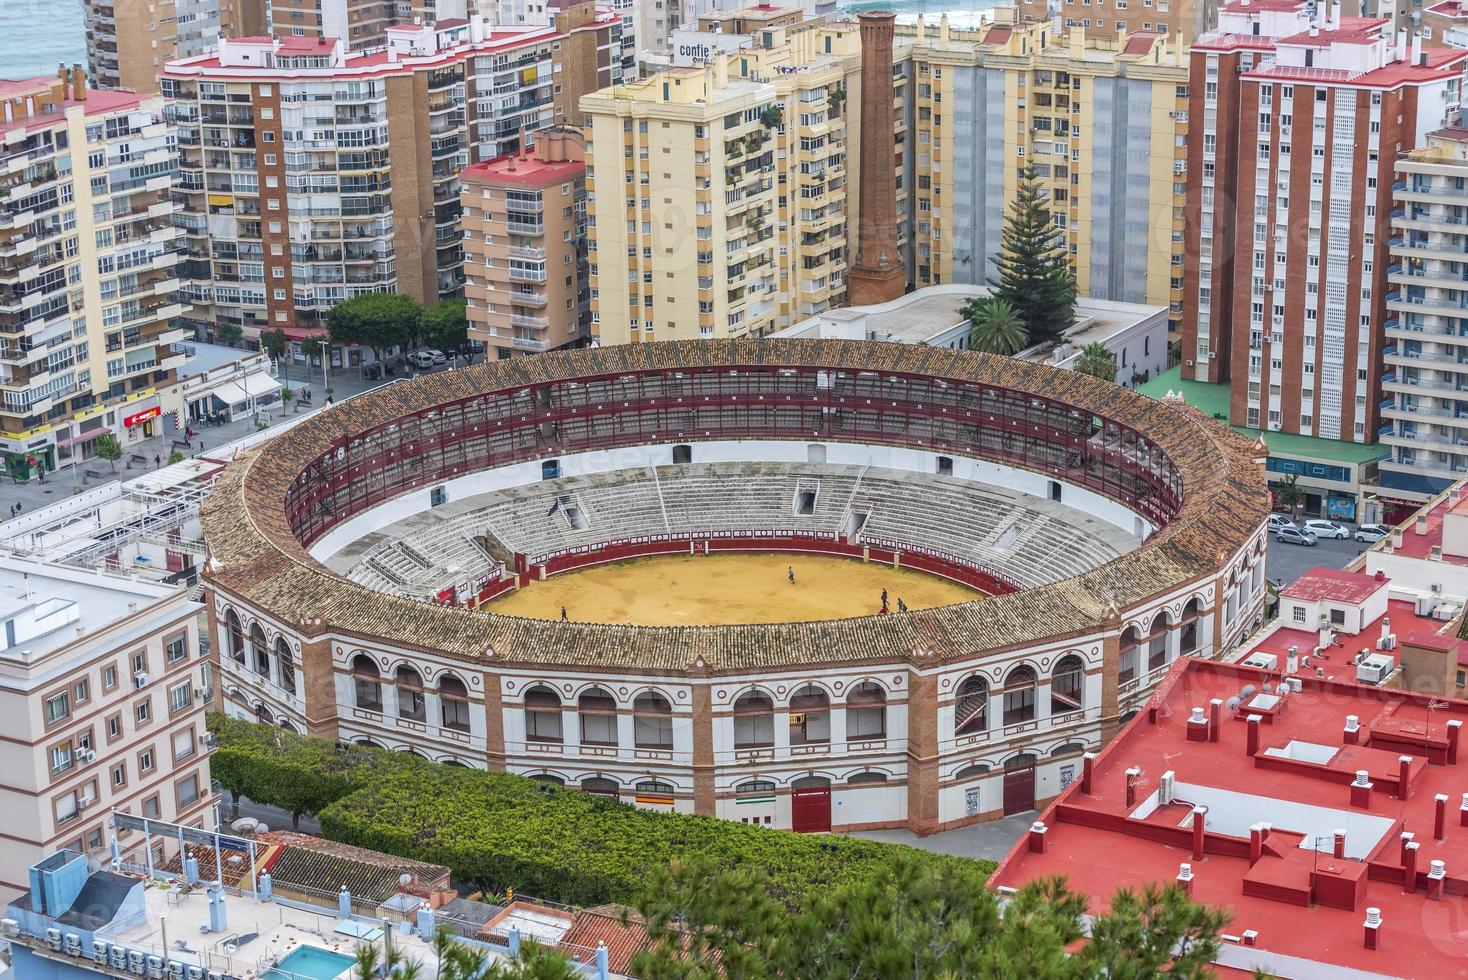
x=37 y=34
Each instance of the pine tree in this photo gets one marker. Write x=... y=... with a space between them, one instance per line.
x=1034 y=269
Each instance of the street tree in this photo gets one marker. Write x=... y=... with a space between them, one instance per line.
x=380 y=321
x=107 y=447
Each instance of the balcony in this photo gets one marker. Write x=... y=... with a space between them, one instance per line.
x=529 y=322
x=527 y=275
x=521 y=252
x=526 y=344
x=532 y=300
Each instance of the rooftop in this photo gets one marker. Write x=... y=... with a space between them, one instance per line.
x=48 y=604
x=1333 y=583
x=1270 y=817
x=1213 y=399
x=530 y=169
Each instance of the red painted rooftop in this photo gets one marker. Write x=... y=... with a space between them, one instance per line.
x=1307 y=907
x=1415 y=545
x=1449 y=8
x=1405 y=624
x=1140 y=42
x=97 y=102
x=1352 y=30
x=531 y=170
x=1248 y=6
x=1441 y=63
x=1333 y=583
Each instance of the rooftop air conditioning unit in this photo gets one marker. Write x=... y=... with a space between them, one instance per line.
x=73 y=944
x=9 y=927
x=140 y=679
x=1262 y=661
x=1445 y=612
x=1374 y=669
x=53 y=938
x=1425 y=604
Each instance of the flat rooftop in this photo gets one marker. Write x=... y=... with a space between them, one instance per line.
x=99 y=600
x=1305 y=905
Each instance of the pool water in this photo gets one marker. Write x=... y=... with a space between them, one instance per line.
x=311 y=962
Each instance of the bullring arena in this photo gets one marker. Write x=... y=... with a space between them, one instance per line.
x=394 y=571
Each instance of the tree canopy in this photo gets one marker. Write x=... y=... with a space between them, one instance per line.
x=376 y=320
x=1097 y=361
x=1034 y=266
x=995 y=326
x=445 y=325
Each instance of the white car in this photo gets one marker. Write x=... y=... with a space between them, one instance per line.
x=438 y=356
x=1278 y=521
x=1371 y=533
x=421 y=359
x=1326 y=529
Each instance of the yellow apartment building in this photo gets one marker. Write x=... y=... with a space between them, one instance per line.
x=717 y=193
x=1104 y=121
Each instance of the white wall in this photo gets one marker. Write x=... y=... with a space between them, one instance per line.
x=784 y=451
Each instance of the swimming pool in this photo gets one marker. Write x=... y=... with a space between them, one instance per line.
x=310 y=962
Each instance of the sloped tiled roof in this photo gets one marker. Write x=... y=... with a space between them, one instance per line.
x=256 y=556
x=316 y=865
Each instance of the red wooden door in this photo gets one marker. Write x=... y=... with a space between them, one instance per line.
x=810 y=810
x=1019 y=790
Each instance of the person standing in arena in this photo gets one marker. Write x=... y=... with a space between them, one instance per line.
x=790 y=573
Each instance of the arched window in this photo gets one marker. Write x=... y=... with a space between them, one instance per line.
x=972 y=772
x=453 y=703
x=866 y=779
x=810 y=716
x=754 y=721
x=810 y=782
x=410 y=694
x=368 y=743
x=656 y=786
x=1192 y=613
x=236 y=635
x=601 y=786
x=598 y=711
x=260 y=649
x=866 y=712
x=368 y=683
x=1068 y=685
x=286 y=726
x=287 y=664
x=547 y=778
x=652 y=721
x=971 y=709
x=1069 y=748
x=1157 y=643
x=1019 y=695
x=542 y=715
x=1127 y=669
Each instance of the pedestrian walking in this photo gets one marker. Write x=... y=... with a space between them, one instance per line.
x=901 y=606
x=563 y=614
x=790 y=573
x=884 y=598
x=157 y=460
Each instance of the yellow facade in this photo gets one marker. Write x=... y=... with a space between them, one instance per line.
x=1103 y=120
x=708 y=218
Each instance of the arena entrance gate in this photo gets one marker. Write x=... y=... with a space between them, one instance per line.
x=810 y=805
x=1019 y=784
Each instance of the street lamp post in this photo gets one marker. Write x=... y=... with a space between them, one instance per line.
x=325 y=368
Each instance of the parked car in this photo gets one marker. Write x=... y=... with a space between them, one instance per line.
x=1277 y=521
x=421 y=359
x=1295 y=535
x=1371 y=533
x=438 y=356
x=1327 y=529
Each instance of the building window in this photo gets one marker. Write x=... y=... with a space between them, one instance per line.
x=175 y=649
x=542 y=715
x=119 y=776
x=81 y=691
x=598 y=712
x=58 y=708
x=754 y=721
x=180 y=696
x=652 y=721
x=453 y=700
x=367 y=683
x=866 y=712
x=143 y=712
x=109 y=677
x=188 y=790
x=145 y=761
x=971 y=708
x=411 y=704
x=150 y=807
x=183 y=744
x=1019 y=695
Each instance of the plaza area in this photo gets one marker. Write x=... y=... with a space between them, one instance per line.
x=721 y=589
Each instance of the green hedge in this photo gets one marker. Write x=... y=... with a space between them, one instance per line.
x=506 y=831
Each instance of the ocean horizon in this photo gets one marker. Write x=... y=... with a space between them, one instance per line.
x=36 y=35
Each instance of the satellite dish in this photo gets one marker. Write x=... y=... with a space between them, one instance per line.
x=244 y=825
x=1233 y=703
x=1247 y=690
x=405 y=879
x=260 y=828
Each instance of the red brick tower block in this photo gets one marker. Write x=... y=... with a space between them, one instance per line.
x=878 y=275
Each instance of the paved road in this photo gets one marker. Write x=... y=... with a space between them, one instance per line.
x=1287 y=562
x=991 y=840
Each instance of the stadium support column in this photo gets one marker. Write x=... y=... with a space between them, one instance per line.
x=922 y=753
x=494 y=723
x=878 y=275
x=318 y=677
x=704 y=800
x=1111 y=675
x=216 y=644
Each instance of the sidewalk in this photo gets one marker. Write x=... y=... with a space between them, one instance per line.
x=69 y=480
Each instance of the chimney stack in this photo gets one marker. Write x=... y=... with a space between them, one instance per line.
x=78 y=83
x=878 y=275
x=1372 y=928
x=65 y=78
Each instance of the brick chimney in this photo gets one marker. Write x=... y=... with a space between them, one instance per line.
x=878 y=274
x=78 y=83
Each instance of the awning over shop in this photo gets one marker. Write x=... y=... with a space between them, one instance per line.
x=231 y=394
x=260 y=385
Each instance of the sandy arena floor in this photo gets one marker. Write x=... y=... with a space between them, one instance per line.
x=713 y=589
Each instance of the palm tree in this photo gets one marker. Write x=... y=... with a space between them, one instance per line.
x=995 y=326
x=368 y=961
x=1097 y=361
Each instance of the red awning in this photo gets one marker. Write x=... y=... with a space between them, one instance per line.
x=304 y=333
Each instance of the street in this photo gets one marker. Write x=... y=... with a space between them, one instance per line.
x=1287 y=562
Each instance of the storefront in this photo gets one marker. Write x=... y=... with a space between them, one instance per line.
x=142 y=424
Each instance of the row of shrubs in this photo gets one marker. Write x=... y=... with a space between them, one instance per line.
x=504 y=831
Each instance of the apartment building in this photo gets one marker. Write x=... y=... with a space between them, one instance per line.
x=1425 y=388
x=102 y=698
x=311 y=174
x=751 y=238
x=1181 y=20
x=1301 y=116
x=89 y=288
x=128 y=43
x=1102 y=120
x=1446 y=22
x=525 y=258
